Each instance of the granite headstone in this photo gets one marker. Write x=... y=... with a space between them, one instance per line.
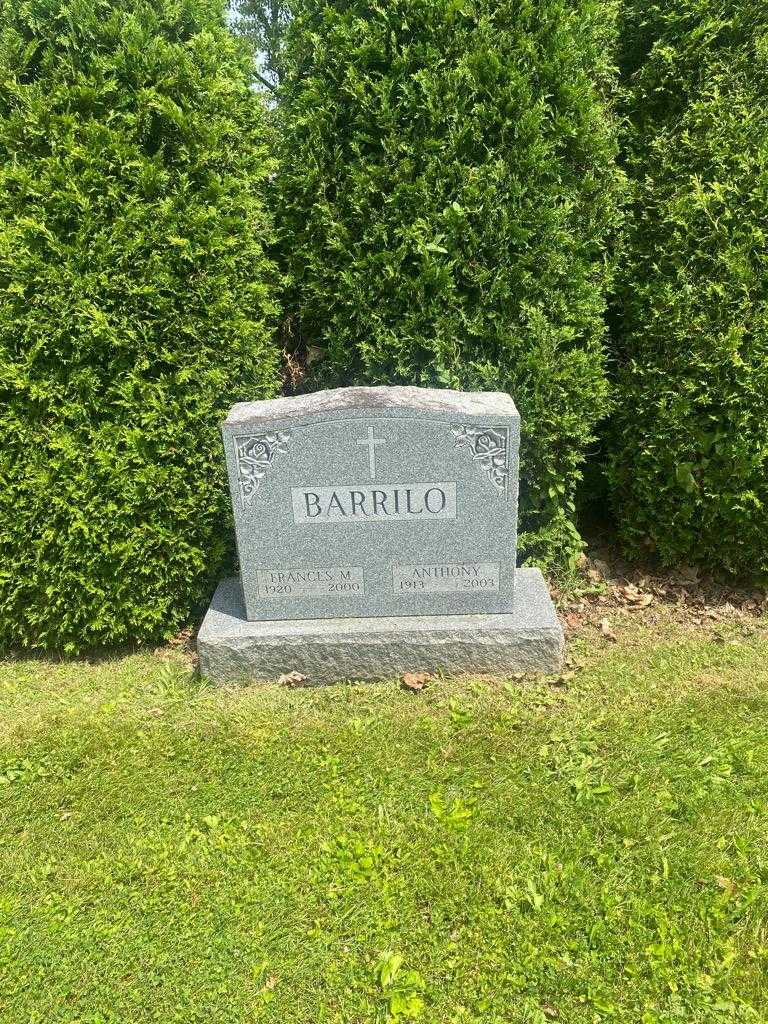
x=368 y=522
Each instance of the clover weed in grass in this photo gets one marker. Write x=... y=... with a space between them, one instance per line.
x=483 y=852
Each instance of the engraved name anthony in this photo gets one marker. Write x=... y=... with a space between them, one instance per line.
x=475 y=577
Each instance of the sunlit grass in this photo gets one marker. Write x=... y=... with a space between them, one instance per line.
x=484 y=852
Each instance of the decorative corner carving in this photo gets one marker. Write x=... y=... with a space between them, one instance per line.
x=489 y=447
x=255 y=453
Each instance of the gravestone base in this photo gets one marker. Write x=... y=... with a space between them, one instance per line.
x=232 y=649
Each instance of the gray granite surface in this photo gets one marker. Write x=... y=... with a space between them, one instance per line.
x=469 y=403
x=232 y=649
x=375 y=502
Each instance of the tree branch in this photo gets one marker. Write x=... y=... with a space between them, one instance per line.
x=264 y=81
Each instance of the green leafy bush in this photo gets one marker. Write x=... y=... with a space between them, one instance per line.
x=134 y=307
x=447 y=186
x=690 y=461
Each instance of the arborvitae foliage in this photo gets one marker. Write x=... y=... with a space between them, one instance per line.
x=447 y=186
x=133 y=310
x=690 y=464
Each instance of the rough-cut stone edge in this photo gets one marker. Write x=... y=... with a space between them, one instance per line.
x=232 y=649
x=379 y=399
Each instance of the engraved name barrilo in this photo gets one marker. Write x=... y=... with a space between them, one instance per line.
x=374 y=504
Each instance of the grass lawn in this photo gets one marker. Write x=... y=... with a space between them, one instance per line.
x=486 y=851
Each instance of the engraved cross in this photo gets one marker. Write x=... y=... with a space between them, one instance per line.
x=371 y=443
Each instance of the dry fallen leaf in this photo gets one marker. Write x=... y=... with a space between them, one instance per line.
x=726 y=884
x=291 y=679
x=269 y=984
x=564 y=678
x=605 y=629
x=602 y=567
x=414 y=681
x=181 y=638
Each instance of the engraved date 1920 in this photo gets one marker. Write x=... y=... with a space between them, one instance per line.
x=299 y=583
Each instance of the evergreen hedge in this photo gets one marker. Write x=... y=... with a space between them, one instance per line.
x=446 y=192
x=134 y=307
x=690 y=463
